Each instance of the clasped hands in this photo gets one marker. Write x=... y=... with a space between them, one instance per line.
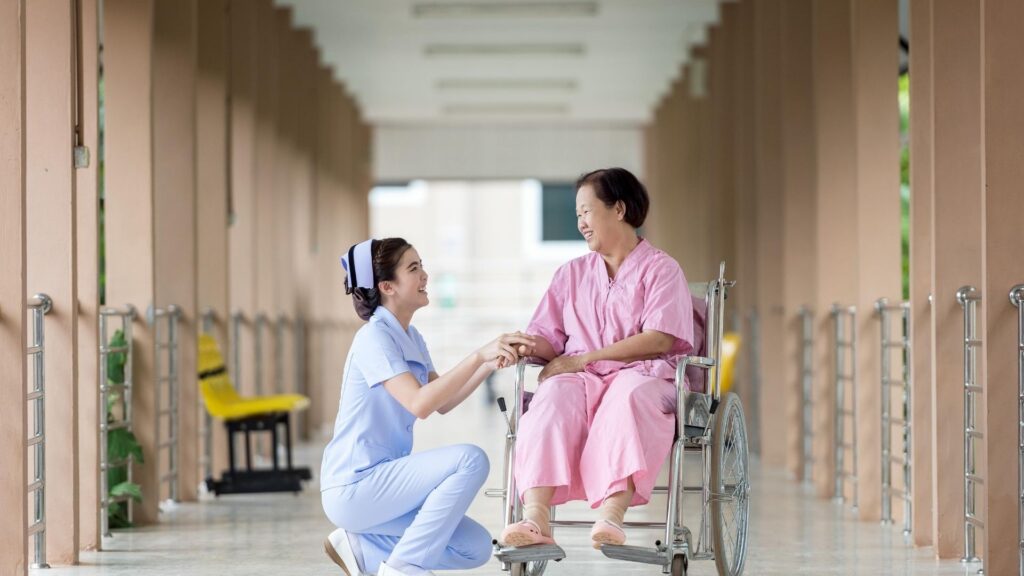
x=505 y=350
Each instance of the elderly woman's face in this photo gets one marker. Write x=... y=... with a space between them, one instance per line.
x=595 y=221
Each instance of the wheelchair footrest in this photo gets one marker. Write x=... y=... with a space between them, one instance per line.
x=635 y=554
x=534 y=553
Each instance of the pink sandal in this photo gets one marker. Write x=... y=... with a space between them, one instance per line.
x=524 y=533
x=607 y=532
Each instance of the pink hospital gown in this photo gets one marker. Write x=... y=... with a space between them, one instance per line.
x=587 y=433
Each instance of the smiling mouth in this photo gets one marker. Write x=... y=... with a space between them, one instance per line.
x=588 y=235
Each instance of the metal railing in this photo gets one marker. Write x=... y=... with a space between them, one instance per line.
x=166 y=383
x=806 y=383
x=844 y=319
x=903 y=383
x=755 y=381
x=259 y=322
x=127 y=316
x=1017 y=299
x=237 y=319
x=207 y=318
x=281 y=324
x=968 y=298
x=300 y=372
x=38 y=306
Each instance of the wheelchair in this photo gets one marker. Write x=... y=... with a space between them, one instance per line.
x=707 y=424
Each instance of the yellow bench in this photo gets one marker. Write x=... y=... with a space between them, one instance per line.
x=243 y=415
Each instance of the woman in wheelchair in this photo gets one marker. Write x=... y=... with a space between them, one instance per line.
x=610 y=327
x=397 y=512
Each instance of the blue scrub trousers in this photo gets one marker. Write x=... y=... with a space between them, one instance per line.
x=413 y=509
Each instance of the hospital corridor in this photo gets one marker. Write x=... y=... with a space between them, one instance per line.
x=516 y=287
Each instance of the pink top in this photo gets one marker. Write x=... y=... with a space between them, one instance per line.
x=585 y=310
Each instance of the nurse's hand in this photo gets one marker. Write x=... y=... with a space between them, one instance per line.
x=563 y=365
x=502 y=350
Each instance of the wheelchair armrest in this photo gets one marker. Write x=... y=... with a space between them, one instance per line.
x=699 y=361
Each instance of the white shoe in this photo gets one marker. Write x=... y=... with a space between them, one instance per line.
x=386 y=570
x=338 y=548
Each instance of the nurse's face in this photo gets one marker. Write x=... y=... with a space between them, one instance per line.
x=599 y=224
x=409 y=288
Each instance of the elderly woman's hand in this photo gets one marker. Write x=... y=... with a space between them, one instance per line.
x=563 y=365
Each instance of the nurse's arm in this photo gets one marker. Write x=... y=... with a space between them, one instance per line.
x=474 y=381
x=643 y=346
x=422 y=401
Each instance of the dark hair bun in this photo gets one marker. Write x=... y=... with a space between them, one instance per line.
x=365 y=301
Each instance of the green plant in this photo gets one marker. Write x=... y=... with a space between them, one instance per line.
x=121 y=443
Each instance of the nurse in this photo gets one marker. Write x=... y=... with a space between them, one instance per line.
x=610 y=327
x=397 y=512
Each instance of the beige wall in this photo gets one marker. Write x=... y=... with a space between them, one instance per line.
x=52 y=255
x=13 y=420
x=1003 y=213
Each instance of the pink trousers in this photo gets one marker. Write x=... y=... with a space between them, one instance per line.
x=586 y=435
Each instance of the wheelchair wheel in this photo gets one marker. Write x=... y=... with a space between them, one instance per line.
x=730 y=486
x=529 y=568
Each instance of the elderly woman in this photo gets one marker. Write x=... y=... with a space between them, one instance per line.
x=610 y=328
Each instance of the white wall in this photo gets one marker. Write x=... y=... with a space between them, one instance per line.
x=495 y=152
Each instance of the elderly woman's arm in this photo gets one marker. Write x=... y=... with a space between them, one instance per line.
x=644 y=346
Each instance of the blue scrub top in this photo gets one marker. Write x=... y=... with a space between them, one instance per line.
x=372 y=427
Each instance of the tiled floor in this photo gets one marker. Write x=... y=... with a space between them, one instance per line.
x=790 y=532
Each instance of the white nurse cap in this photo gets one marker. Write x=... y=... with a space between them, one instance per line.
x=358 y=265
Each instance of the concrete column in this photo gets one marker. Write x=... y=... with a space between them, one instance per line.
x=52 y=256
x=13 y=408
x=174 y=205
x=876 y=62
x=1003 y=267
x=921 y=192
x=957 y=248
x=241 y=188
x=212 y=165
x=264 y=185
x=769 y=174
x=285 y=195
x=87 y=224
x=722 y=197
x=799 y=212
x=835 y=130
x=746 y=269
x=128 y=41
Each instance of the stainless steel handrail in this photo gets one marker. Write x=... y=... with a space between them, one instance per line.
x=39 y=306
x=885 y=310
x=127 y=316
x=169 y=382
x=845 y=372
x=208 y=319
x=806 y=383
x=1017 y=299
x=237 y=319
x=280 y=324
x=968 y=298
x=259 y=321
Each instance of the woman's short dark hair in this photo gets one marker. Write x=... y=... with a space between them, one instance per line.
x=386 y=254
x=619 y=185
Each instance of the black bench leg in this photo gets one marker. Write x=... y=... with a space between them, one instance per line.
x=288 y=439
x=231 y=449
x=248 y=451
x=273 y=444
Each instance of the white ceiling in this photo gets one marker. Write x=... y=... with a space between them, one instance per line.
x=471 y=61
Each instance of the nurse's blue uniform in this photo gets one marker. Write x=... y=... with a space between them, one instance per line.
x=407 y=507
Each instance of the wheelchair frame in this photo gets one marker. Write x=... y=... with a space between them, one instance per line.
x=701 y=421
